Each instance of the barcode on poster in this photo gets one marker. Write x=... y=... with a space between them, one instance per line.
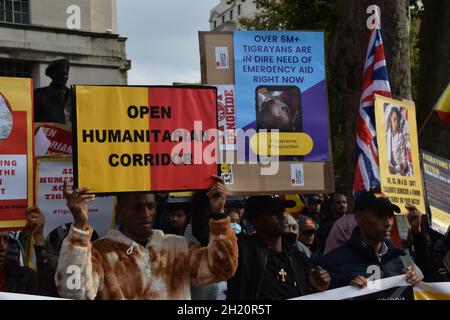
x=227 y=178
x=297 y=175
x=222 y=58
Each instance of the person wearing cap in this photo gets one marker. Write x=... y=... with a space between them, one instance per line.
x=369 y=246
x=307 y=229
x=314 y=204
x=53 y=103
x=270 y=267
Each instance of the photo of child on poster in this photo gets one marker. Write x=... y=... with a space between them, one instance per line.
x=398 y=140
x=278 y=107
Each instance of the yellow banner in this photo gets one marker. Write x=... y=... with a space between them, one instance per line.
x=94 y=112
x=398 y=150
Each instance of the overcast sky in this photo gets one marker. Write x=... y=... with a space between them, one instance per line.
x=163 y=38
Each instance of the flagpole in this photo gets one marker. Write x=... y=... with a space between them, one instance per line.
x=426 y=120
x=434 y=107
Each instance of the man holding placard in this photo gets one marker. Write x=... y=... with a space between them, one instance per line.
x=139 y=262
x=369 y=254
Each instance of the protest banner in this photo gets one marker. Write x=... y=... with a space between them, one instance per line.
x=436 y=175
x=19 y=296
x=16 y=151
x=280 y=84
x=400 y=174
x=432 y=291
x=244 y=172
x=132 y=139
x=393 y=288
x=52 y=138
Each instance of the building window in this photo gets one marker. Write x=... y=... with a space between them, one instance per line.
x=231 y=14
x=15 y=11
x=215 y=24
x=9 y=68
x=239 y=10
x=223 y=19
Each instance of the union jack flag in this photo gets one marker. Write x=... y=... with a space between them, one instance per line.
x=367 y=173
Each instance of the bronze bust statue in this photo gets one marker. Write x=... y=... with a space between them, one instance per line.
x=53 y=103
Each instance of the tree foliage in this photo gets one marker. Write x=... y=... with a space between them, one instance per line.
x=293 y=15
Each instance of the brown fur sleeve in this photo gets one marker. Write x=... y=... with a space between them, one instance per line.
x=79 y=271
x=218 y=261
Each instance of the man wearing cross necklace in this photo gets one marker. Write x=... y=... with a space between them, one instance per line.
x=270 y=266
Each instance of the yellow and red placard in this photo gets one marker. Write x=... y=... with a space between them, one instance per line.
x=400 y=171
x=16 y=151
x=137 y=139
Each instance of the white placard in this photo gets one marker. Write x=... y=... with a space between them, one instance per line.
x=51 y=201
x=13 y=177
x=349 y=292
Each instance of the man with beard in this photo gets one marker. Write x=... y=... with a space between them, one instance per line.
x=270 y=265
x=369 y=246
x=338 y=208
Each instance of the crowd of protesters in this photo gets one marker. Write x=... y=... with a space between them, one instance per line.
x=212 y=247
x=209 y=248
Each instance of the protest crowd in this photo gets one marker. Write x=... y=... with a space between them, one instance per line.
x=211 y=248
x=155 y=254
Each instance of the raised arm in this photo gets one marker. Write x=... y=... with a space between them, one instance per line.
x=218 y=261
x=79 y=274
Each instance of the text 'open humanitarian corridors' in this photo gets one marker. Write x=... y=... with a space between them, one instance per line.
x=144 y=138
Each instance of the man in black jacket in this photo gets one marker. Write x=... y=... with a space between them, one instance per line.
x=270 y=266
x=369 y=249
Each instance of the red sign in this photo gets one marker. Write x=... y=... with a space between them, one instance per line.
x=16 y=152
x=54 y=139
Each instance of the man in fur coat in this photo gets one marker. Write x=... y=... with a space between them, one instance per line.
x=139 y=262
